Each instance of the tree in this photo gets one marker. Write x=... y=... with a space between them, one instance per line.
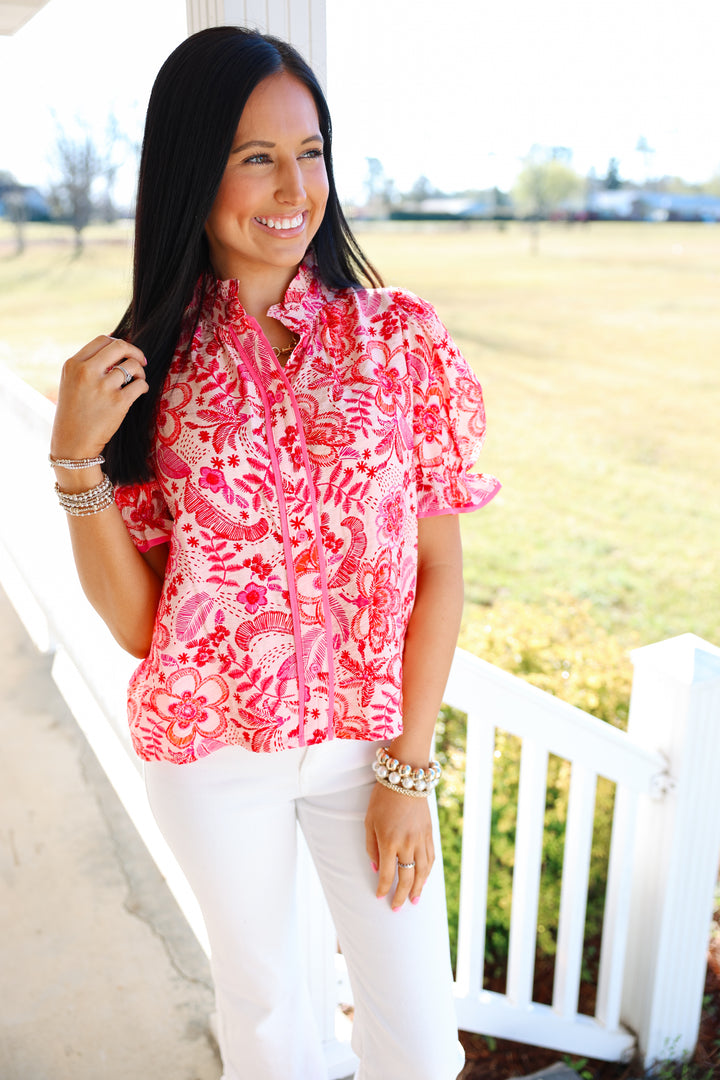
x=421 y=190
x=612 y=180
x=544 y=183
x=86 y=177
x=380 y=189
x=14 y=201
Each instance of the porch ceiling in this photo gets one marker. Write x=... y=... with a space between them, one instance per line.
x=16 y=13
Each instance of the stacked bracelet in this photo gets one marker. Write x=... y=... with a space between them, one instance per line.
x=403 y=778
x=84 y=503
x=76 y=463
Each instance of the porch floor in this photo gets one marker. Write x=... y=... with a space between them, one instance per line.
x=101 y=978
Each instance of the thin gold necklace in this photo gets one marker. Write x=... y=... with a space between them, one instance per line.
x=284 y=353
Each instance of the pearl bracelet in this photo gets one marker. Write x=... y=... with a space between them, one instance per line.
x=84 y=503
x=76 y=463
x=403 y=778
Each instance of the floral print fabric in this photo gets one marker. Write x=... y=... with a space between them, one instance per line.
x=290 y=500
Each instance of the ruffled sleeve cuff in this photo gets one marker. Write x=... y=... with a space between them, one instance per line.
x=448 y=419
x=145 y=513
x=453 y=490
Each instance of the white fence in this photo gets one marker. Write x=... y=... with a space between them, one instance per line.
x=664 y=854
x=666 y=829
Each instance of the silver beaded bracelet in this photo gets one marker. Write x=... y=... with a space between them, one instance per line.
x=84 y=503
x=76 y=463
x=417 y=783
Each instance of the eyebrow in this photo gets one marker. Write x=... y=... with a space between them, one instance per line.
x=269 y=145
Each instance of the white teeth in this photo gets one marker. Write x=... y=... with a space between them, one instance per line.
x=282 y=223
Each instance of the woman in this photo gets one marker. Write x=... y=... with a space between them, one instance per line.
x=289 y=451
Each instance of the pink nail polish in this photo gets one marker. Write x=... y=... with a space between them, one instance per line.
x=415 y=900
x=397 y=908
x=374 y=866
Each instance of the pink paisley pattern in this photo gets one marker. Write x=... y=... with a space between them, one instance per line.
x=290 y=500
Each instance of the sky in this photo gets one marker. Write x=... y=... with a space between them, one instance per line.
x=455 y=90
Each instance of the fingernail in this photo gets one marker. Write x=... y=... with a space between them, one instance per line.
x=374 y=866
x=397 y=908
x=415 y=900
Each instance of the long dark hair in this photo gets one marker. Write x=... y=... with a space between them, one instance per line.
x=195 y=107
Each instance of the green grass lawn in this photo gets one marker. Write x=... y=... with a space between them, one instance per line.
x=600 y=358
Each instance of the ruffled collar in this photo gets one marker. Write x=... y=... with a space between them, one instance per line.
x=304 y=299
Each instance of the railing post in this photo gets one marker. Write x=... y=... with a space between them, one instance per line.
x=675 y=708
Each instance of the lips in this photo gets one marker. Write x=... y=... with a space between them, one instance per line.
x=282 y=223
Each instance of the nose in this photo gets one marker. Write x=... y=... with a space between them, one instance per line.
x=291 y=189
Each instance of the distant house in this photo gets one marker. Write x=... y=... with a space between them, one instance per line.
x=445 y=208
x=638 y=204
x=31 y=204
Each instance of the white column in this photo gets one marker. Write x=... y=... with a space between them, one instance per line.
x=676 y=709
x=301 y=22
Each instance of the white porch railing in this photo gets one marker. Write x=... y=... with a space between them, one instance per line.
x=664 y=854
x=665 y=841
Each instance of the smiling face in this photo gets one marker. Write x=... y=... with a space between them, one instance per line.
x=273 y=193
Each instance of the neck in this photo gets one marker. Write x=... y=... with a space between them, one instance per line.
x=258 y=291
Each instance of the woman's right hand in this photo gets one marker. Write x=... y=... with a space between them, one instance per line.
x=92 y=400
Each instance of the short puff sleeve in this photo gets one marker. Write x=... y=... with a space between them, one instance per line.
x=145 y=513
x=448 y=420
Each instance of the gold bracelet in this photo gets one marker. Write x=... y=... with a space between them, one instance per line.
x=404 y=791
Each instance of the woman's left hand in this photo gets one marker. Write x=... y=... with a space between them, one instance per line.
x=399 y=830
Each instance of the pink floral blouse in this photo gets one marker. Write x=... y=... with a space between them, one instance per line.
x=290 y=500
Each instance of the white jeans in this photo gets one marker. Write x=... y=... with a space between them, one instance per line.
x=230 y=820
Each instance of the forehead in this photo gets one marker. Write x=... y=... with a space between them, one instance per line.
x=279 y=106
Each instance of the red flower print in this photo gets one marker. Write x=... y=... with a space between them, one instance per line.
x=385 y=369
x=430 y=425
x=253 y=596
x=258 y=566
x=192 y=705
x=289 y=438
x=380 y=600
x=326 y=433
x=215 y=480
x=390 y=517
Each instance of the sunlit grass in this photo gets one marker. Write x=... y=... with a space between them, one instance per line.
x=51 y=303
x=600 y=359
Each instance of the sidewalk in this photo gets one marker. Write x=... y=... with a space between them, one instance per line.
x=100 y=976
